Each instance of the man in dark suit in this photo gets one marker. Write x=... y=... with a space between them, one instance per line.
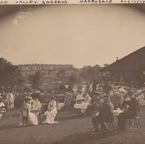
x=132 y=109
x=104 y=114
x=94 y=104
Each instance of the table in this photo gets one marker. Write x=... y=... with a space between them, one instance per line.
x=81 y=106
x=117 y=112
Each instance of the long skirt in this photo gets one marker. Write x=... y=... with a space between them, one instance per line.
x=50 y=116
x=141 y=101
x=32 y=118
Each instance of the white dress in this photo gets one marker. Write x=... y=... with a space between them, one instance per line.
x=86 y=102
x=141 y=100
x=31 y=116
x=51 y=112
x=1 y=109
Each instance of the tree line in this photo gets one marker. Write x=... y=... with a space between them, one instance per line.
x=11 y=76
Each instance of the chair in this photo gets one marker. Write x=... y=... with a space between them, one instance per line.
x=109 y=125
x=108 y=120
x=2 y=112
x=136 y=119
x=24 y=113
x=137 y=122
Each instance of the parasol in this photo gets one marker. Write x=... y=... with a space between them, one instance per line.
x=122 y=90
x=18 y=102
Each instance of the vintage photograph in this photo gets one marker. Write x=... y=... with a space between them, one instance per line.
x=72 y=74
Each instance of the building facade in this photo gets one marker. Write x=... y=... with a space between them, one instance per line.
x=44 y=67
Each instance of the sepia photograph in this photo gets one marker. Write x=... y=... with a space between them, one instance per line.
x=72 y=74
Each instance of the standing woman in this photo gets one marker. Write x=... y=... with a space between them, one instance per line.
x=51 y=111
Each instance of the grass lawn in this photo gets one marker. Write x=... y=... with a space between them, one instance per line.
x=71 y=129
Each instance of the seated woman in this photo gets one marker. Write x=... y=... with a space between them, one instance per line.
x=31 y=116
x=35 y=104
x=2 y=107
x=79 y=95
x=141 y=100
x=51 y=112
x=86 y=102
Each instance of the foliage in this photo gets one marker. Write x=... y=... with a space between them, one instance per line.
x=27 y=89
x=10 y=75
x=90 y=73
x=72 y=79
x=61 y=73
x=35 y=80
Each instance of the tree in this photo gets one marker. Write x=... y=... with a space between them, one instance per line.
x=90 y=73
x=72 y=80
x=10 y=75
x=61 y=73
x=35 y=80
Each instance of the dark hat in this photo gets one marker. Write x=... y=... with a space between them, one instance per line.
x=35 y=95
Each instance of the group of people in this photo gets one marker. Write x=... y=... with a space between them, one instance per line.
x=8 y=99
x=38 y=113
x=97 y=98
x=103 y=104
x=104 y=111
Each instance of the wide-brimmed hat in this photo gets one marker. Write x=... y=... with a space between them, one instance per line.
x=95 y=93
x=35 y=95
x=106 y=96
x=28 y=97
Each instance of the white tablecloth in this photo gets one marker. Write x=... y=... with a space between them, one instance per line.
x=81 y=106
x=117 y=112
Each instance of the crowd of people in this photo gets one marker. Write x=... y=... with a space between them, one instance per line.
x=98 y=100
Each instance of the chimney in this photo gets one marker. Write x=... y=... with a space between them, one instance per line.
x=117 y=59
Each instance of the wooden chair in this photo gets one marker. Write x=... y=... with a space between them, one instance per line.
x=136 y=119
x=137 y=123
x=24 y=113
x=3 y=112
x=109 y=125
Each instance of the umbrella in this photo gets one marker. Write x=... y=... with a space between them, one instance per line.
x=122 y=90
x=18 y=102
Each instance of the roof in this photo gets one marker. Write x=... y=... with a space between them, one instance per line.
x=132 y=62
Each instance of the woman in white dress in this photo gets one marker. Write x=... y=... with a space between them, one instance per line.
x=32 y=118
x=140 y=99
x=51 y=112
x=86 y=102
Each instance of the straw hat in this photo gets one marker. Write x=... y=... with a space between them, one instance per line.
x=28 y=98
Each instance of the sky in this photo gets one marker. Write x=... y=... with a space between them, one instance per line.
x=80 y=35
